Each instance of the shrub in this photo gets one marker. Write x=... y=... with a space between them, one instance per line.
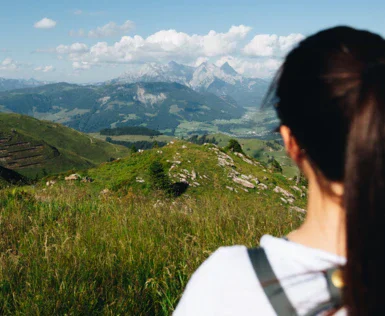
x=158 y=178
x=274 y=165
x=134 y=149
x=234 y=146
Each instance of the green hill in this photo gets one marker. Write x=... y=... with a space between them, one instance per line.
x=117 y=245
x=35 y=148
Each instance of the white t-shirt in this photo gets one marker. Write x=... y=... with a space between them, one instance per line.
x=226 y=283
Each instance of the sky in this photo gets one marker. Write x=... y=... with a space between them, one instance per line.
x=87 y=41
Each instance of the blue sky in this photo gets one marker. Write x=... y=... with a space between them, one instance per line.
x=88 y=41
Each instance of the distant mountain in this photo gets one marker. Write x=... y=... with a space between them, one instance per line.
x=159 y=106
x=207 y=77
x=11 y=84
x=32 y=147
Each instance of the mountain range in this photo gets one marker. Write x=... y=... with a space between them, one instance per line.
x=207 y=77
x=160 y=97
x=11 y=84
x=161 y=106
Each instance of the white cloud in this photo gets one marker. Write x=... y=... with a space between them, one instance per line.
x=161 y=46
x=271 y=45
x=78 y=12
x=75 y=48
x=81 y=65
x=263 y=68
x=108 y=30
x=45 y=68
x=261 y=57
x=9 y=64
x=45 y=23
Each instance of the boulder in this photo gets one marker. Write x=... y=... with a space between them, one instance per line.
x=244 y=183
x=262 y=186
x=285 y=193
x=139 y=180
x=176 y=162
x=295 y=188
x=298 y=209
x=73 y=177
x=50 y=183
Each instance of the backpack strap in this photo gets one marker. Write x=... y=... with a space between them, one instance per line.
x=335 y=285
x=270 y=283
x=276 y=294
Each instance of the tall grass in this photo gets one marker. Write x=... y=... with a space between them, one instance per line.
x=69 y=250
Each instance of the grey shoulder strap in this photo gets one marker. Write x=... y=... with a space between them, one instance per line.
x=270 y=283
x=276 y=294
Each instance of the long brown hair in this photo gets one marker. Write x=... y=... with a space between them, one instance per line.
x=331 y=94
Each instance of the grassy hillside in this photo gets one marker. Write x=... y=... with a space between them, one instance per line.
x=117 y=246
x=34 y=147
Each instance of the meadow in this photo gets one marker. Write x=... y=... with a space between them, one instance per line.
x=117 y=247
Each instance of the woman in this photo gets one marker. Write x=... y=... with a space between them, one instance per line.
x=331 y=103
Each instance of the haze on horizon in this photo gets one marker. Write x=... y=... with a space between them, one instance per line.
x=98 y=40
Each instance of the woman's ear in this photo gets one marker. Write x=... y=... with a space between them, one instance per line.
x=291 y=145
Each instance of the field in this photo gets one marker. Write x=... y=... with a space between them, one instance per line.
x=116 y=246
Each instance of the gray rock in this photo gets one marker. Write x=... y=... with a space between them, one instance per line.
x=244 y=183
x=298 y=209
x=262 y=186
x=285 y=193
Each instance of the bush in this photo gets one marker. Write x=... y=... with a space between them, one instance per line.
x=134 y=149
x=234 y=146
x=274 y=165
x=158 y=177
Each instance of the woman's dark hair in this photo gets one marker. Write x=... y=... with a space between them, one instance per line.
x=331 y=94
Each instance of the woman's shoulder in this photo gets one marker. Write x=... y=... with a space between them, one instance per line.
x=224 y=284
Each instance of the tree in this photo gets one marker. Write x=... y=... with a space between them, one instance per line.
x=234 y=146
x=158 y=178
x=134 y=149
x=155 y=144
x=275 y=165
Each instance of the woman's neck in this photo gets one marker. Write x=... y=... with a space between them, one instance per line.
x=324 y=226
